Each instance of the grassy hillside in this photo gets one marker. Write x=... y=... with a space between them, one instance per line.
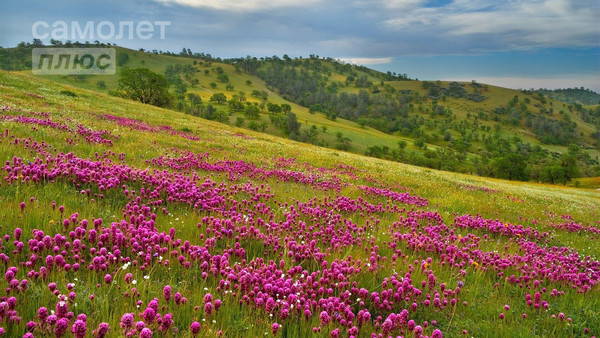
x=362 y=137
x=354 y=108
x=582 y=96
x=239 y=233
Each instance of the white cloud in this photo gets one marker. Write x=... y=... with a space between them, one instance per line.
x=513 y=24
x=402 y=4
x=366 y=61
x=591 y=81
x=240 y=5
x=343 y=44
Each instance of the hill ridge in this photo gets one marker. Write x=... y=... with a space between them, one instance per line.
x=428 y=123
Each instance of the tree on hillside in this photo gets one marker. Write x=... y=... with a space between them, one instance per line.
x=239 y=121
x=402 y=145
x=223 y=78
x=510 y=167
x=218 y=98
x=569 y=162
x=145 y=86
x=292 y=125
x=122 y=59
x=195 y=100
x=553 y=174
x=343 y=143
x=286 y=108
x=273 y=108
x=311 y=133
x=252 y=112
x=235 y=105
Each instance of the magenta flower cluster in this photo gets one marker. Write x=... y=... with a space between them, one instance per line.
x=296 y=276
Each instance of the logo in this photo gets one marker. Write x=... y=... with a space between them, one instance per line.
x=73 y=61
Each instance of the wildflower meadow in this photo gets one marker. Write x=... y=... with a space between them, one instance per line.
x=120 y=219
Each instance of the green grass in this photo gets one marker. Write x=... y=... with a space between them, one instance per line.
x=362 y=137
x=514 y=202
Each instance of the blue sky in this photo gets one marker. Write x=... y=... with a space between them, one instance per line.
x=515 y=43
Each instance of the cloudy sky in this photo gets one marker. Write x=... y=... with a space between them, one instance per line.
x=515 y=43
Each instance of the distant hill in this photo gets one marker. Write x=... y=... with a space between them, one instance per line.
x=581 y=95
x=124 y=202
x=464 y=127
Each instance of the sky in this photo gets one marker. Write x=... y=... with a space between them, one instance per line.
x=515 y=43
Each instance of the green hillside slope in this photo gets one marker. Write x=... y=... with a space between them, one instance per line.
x=581 y=96
x=112 y=208
x=465 y=127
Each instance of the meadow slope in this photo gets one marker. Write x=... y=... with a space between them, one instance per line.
x=447 y=125
x=138 y=220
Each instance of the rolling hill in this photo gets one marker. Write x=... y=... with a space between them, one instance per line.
x=580 y=96
x=188 y=227
x=464 y=127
